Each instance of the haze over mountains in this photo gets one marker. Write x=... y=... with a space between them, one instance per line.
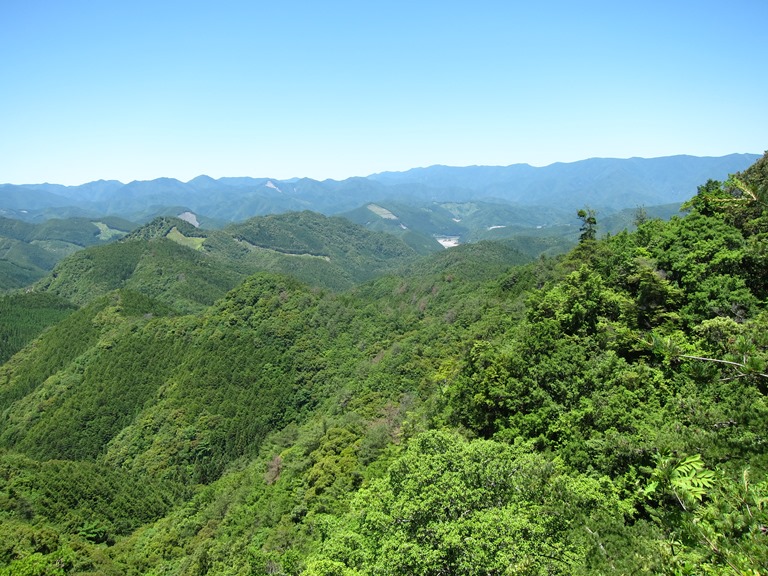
x=603 y=183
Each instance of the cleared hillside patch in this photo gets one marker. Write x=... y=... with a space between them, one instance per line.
x=194 y=242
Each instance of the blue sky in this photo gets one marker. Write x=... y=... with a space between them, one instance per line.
x=135 y=89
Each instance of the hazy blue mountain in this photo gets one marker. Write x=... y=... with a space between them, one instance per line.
x=463 y=177
x=606 y=184
x=84 y=192
x=602 y=182
x=16 y=198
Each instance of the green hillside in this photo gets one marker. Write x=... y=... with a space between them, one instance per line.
x=22 y=263
x=189 y=268
x=30 y=251
x=181 y=277
x=24 y=315
x=318 y=250
x=470 y=412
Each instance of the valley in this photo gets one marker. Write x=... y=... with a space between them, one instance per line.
x=439 y=371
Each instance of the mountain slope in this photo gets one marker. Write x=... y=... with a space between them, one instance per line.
x=599 y=412
x=25 y=315
x=29 y=251
x=188 y=268
x=181 y=277
x=322 y=251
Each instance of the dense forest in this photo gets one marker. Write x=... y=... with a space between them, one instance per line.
x=470 y=411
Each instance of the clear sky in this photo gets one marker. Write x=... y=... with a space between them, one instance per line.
x=138 y=89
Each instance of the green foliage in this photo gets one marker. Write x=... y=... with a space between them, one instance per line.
x=30 y=251
x=451 y=506
x=97 y=502
x=712 y=521
x=94 y=272
x=24 y=316
x=573 y=374
x=179 y=276
x=588 y=230
x=56 y=348
x=686 y=478
x=58 y=563
x=467 y=413
x=742 y=200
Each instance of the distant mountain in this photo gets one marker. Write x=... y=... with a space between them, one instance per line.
x=20 y=199
x=423 y=207
x=85 y=192
x=599 y=182
x=607 y=184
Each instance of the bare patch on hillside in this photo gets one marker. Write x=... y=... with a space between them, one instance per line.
x=107 y=233
x=190 y=241
x=189 y=217
x=255 y=248
x=448 y=241
x=381 y=212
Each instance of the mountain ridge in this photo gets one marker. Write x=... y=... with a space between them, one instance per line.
x=173 y=262
x=471 y=412
x=604 y=183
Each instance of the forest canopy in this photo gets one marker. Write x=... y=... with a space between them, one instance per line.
x=474 y=412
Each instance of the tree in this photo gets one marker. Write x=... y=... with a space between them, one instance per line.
x=452 y=506
x=712 y=522
x=588 y=228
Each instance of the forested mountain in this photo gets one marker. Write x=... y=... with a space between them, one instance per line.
x=464 y=222
x=29 y=251
x=470 y=411
x=605 y=184
x=42 y=223
x=188 y=268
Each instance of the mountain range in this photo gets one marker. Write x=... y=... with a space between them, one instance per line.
x=300 y=395
x=605 y=184
x=425 y=208
x=188 y=268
